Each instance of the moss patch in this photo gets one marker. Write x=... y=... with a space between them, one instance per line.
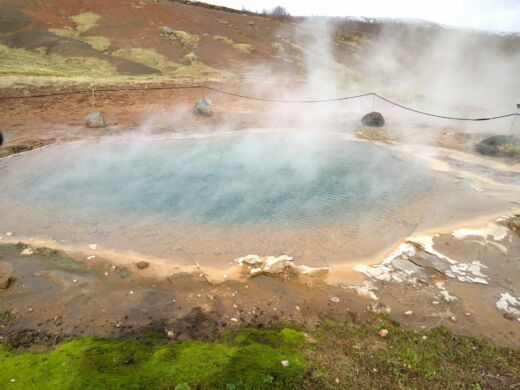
x=84 y=22
x=151 y=58
x=148 y=57
x=243 y=47
x=18 y=62
x=187 y=40
x=247 y=359
x=221 y=38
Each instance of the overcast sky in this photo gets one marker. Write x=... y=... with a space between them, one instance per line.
x=493 y=15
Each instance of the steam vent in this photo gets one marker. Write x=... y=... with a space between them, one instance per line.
x=373 y=119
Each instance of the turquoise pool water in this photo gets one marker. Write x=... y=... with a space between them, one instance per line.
x=227 y=180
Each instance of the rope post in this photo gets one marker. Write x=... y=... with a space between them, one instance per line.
x=93 y=100
x=514 y=118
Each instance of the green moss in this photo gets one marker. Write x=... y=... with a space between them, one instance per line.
x=239 y=360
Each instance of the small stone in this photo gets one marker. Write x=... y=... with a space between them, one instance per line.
x=106 y=273
x=408 y=313
x=334 y=299
x=9 y=234
x=233 y=319
x=170 y=333
x=30 y=310
x=27 y=252
x=91 y=257
x=425 y=337
x=75 y=281
x=435 y=302
x=131 y=292
x=93 y=246
x=142 y=264
x=453 y=319
x=285 y=363
x=383 y=333
x=336 y=380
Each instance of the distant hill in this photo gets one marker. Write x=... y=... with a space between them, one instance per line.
x=120 y=41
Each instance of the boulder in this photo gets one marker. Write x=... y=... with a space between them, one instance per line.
x=167 y=30
x=500 y=146
x=95 y=120
x=6 y=275
x=203 y=107
x=373 y=119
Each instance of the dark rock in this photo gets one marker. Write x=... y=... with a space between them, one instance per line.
x=95 y=120
x=142 y=265
x=500 y=146
x=373 y=119
x=6 y=275
x=1 y=138
x=203 y=107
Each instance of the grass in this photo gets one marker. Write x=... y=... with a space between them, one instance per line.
x=151 y=58
x=187 y=40
x=21 y=62
x=335 y=355
x=148 y=57
x=248 y=359
x=351 y=353
x=84 y=22
x=243 y=47
x=221 y=38
x=20 y=67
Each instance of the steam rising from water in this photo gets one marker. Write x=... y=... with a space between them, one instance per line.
x=273 y=178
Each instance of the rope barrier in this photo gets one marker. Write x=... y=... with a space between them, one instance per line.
x=373 y=94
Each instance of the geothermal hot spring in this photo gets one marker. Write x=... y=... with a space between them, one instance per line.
x=319 y=197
